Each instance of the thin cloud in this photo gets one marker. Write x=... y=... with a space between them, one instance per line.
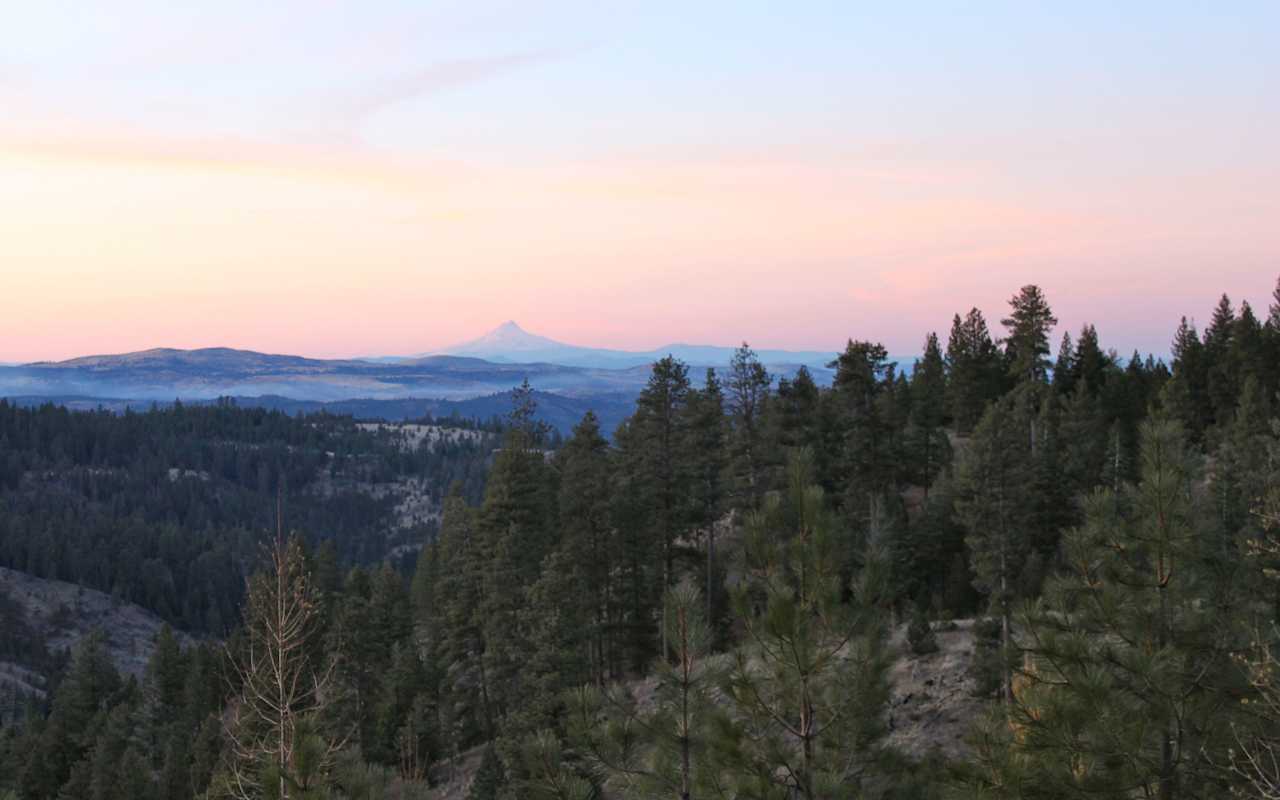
x=350 y=108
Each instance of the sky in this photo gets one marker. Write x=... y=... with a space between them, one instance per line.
x=377 y=177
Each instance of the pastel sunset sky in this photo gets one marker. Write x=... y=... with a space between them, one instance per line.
x=378 y=177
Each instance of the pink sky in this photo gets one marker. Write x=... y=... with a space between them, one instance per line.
x=117 y=245
x=442 y=174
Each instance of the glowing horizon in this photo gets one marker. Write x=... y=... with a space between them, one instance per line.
x=345 y=180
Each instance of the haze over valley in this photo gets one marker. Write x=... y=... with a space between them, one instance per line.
x=471 y=379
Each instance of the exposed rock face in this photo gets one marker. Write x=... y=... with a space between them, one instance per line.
x=65 y=613
x=932 y=705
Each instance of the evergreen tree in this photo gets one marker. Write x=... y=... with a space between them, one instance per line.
x=1187 y=395
x=662 y=468
x=1128 y=672
x=1271 y=345
x=994 y=505
x=92 y=685
x=1248 y=348
x=1084 y=442
x=1050 y=494
x=928 y=445
x=405 y=718
x=663 y=750
x=372 y=625
x=635 y=547
x=1242 y=469
x=555 y=630
x=974 y=370
x=1217 y=337
x=804 y=416
x=748 y=393
x=516 y=530
x=796 y=412
x=1090 y=364
x=586 y=483
x=454 y=635
x=1255 y=760
x=1027 y=345
x=706 y=439
x=863 y=379
x=807 y=689
x=1222 y=374
x=1064 y=367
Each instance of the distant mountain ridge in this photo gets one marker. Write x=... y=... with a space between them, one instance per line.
x=465 y=378
x=165 y=374
x=509 y=343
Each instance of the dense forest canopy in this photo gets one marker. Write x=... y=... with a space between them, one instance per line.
x=168 y=508
x=708 y=603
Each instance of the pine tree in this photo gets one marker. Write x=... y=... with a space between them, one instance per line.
x=164 y=693
x=1271 y=345
x=133 y=780
x=1127 y=679
x=403 y=729
x=1064 y=367
x=549 y=771
x=516 y=529
x=1029 y=322
x=663 y=749
x=586 y=484
x=1084 y=443
x=554 y=631
x=863 y=378
x=705 y=440
x=928 y=444
x=91 y=686
x=635 y=572
x=662 y=468
x=974 y=371
x=425 y=584
x=454 y=637
x=1217 y=337
x=807 y=689
x=206 y=751
x=748 y=393
x=1223 y=379
x=804 y=416
x=1187 y=394
x=373 y=623
x=1241 y=471
x=795 y=407
x=1052 y=499
x=994 y=506
x=1255 y=760
x=1090 y=364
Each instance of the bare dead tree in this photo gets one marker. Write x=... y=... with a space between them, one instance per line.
x=276 y=749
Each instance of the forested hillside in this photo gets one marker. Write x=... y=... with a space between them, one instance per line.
x=709 y=603
x=169 y=508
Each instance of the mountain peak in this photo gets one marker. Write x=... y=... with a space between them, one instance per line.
x=508 y=327
x=508 y=337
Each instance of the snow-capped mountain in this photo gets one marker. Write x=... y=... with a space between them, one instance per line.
x=509 y=343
